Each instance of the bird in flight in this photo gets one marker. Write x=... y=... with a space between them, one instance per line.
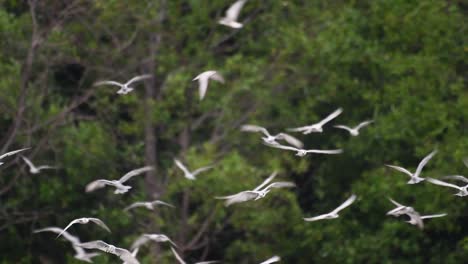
x=333 y=214
x=271 y=260
x=11 y=153
x=125 y=88
x=145 y=238
x=415 y=176
x=33 y=169
x=400 y=209
x=256 y=193
x=122 y=253
x=203 y=79
x=303 y=152
x=118 y=184
x=81 y=254
x=190 y=175
x=462 y=191
x=354 y=131
x=232 y=13
x=148 y=205
x=181 y=261
x=86 y=220
x=317 y=127
x=272 y=139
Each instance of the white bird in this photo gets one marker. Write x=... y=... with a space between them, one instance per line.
x=303 y=152
x=271 y=260
x=124 y=87
x=145 y=238
x=256 y=193
x=333 y=214
x=203 y=79
x=230 y=19
x=417 y=219
x=181 y=261
x=122 y=253
x=81 y=254
x=118 y=184
x=33 y=169
x=317 y=127
x=462 y=191
x=271 y=139
x=191 y=175
x=148 y=205
x=11 y=153
x=354 y=131
x=400 y=209
x=86 y=220
x=415 y=176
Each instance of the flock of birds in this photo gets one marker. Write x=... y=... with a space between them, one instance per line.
x=260 y=191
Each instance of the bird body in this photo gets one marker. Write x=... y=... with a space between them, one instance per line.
x=354 y=131
x=124 y=87
x=203 y=79
x=317 y=127
x=232 y=13
x=415 y=176
x=333 y=214
x=190 y=175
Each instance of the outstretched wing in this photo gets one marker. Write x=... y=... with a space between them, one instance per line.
x=255 y=128
x=100 y=223
x=57 y=230
x=456 y=177
x=331 y=116
x=200 y=170
x=325 y=151
x=343 y=127
x=181 y=166
x=217 y=77
x=266 y=181
x=442 y=183
x=68 y=226
x=234 y=10
x=108 y=82
x=239 y=198
x=281 y=146
x=398 y=168
x=181 y=261
x=280 y=185
x=363 y=124
x=133 y=205
x=30 y=164
x=347 y=203
x=291 y=140
x=162 y=203
x=97 y=184
x=135 y=172
x=315 y=218
x=432 y=216
x=271 y=260
x=139 y=78
x=97 y=244
x=424 y=162
x=12 y=152
x=139 y=242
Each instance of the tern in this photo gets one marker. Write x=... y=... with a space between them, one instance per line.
x=271 y=139
x=400 y=209
x=271 y=260
x=415 y=176
x=181 y=261
x=333 y=214
x=190 y=175
x=462 y=191
x=145 y=238
x=303 y=152
x=148 y=205
x=11 y=153
x=317 y=127
x=122 y=253
x=230 y=19
x=354 y=131
x=203 y=79
x=33 y=169
x=124 y=87
x=118 y=184
x=256 y=193
x=81 y=254
x=86 y=220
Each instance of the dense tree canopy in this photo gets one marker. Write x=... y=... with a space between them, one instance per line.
x=401 y=63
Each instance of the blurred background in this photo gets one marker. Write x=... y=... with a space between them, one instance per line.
x=402 y=63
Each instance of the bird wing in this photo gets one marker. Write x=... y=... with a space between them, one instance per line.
x=271 y=260
x=280 y=185
x=163 y=203
x=133 y=205
x=315 y=218
x=126 y=256
x=347 y=203
x=96 y=244
x=139 y=78
x=398 y=168
x=343 y=127
x=108 y=82
x=298 y=129
x=30 y=164
x=442 y=183
x=200 y=170
x=331 y=116
x=182 y=167
x=363 y=124
x=456 y=177
x=282 y=146
x=181 y=261
x=135 y=172
x=325 y=151
x=266 y=181
x=100 y=223
x=57 y=230
x=291 y=140
x=139 y=242
x=241 y=197
x=255 y=128
x=43 y=167
x=424 y=162
x=234 y=10
x=396 y=203
x=432 y=216
x=12 y=153
x=68 y=226
x=97 y=184
x=217 y=77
